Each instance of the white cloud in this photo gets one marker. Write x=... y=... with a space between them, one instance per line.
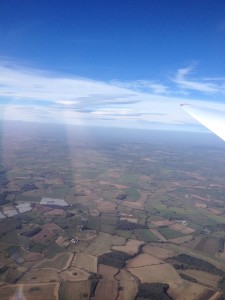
x=204 y=86
x=143 y=85
x=36 y=95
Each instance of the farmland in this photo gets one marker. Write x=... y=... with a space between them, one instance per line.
x=113 y=220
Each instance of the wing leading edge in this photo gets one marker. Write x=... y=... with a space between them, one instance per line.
x=212 y=119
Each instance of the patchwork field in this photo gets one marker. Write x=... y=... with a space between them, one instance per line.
x=59 y=262
x=203 y=277
x=74 y=274
x=130 y=248
x=158 y=252
x=207 y=245
x=103 y=243
x=190 y=291
x=30 y=291
x=85 y=261
x=142 y=260
x=156 y=273
x=128 y=285
x=39 y=275
x=181 y=240
x=86 y=219
x=75 y=290
x=108 y=286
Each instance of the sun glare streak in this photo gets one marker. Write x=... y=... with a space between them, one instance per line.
x=19 y=294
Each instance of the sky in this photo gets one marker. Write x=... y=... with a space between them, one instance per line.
x=111 y=63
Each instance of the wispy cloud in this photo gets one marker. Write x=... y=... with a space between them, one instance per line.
x=143 y=86
x=37 y=95
x=205 y=85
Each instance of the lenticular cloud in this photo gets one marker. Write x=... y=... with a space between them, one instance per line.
x=213 y=119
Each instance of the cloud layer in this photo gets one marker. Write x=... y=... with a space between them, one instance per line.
x=36 y=95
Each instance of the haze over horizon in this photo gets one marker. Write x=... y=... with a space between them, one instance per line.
x=111 y=64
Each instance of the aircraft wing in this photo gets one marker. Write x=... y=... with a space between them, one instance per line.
x=213 y=119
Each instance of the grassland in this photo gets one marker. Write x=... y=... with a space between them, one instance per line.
x=169 y=233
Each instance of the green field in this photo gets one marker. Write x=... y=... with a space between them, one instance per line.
x=169 y=233
x=144 y=235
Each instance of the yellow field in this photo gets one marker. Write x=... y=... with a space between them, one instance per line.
x=103 y=243
x=73 y=274
x=135 y=205
x=30 y=291
x=162 y=223
x=85 y=261
x=128 y=284
x=129 y=219
x=59 y=262
x=181 y=228
x=118 y=186
x=181 y=240
x=200 y=205
x=158 y=252
x=157 y=273
x=105 y=206
x=86 y=235
x=188 y=291
x=215 y=211
x=131 y=247
x=143 y=260
x=203 y=277
x=60 y=240
x=42 y=276
x=75 y=290
x=33 y=256
x=108 y=286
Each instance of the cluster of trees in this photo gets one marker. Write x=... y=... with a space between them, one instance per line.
x=35 y=289
x=221 y=244
x=31 y=232
x=188 y=261
x=114 y=259
x=126 y=225
x=9 y=225
x=153 y=291
x=94 y=282
x=3 y=269
x=79 y=194
x=221 y=285
x=3 y=199
x=121 y=196
x=188 y=278
x=29 y=187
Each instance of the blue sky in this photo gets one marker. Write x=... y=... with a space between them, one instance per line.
x=111 y=63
